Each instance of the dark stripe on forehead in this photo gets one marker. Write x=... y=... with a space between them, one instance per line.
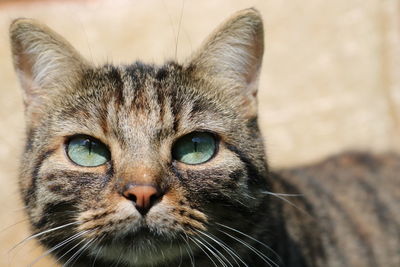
x=139 y=73
x=161 y=92
x=175 y=105
x=102 y=116
x=162 y=73
x=114 y=77
x=31 y=193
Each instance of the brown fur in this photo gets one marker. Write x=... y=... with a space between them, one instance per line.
x=139 y=111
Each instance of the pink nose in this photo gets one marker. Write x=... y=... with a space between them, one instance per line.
x=144 y=196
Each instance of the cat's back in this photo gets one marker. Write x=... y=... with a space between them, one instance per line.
x=353 y=200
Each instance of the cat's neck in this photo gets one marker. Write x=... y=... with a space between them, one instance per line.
x=295 y=230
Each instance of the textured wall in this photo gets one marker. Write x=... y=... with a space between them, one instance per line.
x=330 y=80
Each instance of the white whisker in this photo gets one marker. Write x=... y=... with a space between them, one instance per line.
x=71 y=249
x=222 y=244
x=12 y=225
x=180 y=261
x=221 y=255
x=179 y=30
x=59 y=245
x=199 y=246
x=98 y=251
x=77 y=254
x=189 y=250
x=264 y=257
x=40 y=234
x=282 y=197
x=282 y=194
x=119 y=258
x=212 y=251
x=252 y=238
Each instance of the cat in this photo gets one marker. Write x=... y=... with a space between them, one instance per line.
x=144 y=165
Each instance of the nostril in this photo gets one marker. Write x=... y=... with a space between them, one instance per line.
x=153 y=199
x=131 y=197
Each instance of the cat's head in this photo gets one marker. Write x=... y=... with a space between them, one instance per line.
x=133 y=162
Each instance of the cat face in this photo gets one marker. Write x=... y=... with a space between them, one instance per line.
x=136 y=162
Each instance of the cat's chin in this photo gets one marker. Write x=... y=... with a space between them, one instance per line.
x=140 y=248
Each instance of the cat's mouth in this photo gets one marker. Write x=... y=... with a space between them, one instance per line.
x=144 y=246
x=144 y=234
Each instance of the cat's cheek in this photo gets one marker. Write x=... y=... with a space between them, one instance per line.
x=118 y=218
x=174 y=215
x=163 y=218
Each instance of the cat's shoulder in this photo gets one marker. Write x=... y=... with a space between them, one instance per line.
x=351 y=178
x=348 y=204
x=348 y=166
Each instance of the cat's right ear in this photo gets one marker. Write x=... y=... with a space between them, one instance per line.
x=231 y=59
x=44 y=62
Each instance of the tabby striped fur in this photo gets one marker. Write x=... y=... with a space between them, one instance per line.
x=222 y=212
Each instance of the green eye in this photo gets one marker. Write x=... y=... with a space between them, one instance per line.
x=194 y=148
x=88 y=152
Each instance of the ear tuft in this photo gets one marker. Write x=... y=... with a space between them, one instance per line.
x=44 y=61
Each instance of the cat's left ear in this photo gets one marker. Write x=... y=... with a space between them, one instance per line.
x=44 y=62
x=231 y=57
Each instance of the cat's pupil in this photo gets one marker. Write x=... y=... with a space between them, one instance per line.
x=195 y=142
x=88 y=143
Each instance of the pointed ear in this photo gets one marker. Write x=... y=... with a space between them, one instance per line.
x=232 y=57
x=44 y=62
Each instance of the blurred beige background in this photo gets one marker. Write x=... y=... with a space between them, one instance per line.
x=330 y=82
